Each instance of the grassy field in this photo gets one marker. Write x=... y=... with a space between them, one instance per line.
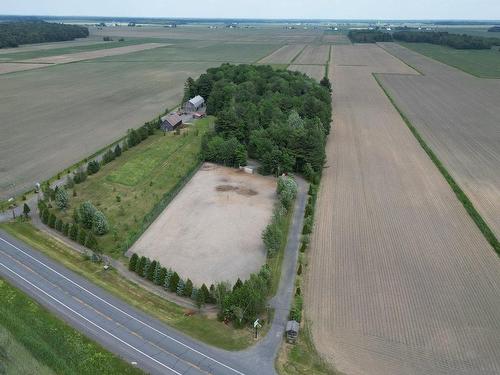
x=204 y=329
x=128 y=188
x=33 y=341
x=480 y=63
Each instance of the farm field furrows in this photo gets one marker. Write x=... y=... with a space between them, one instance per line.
x=211 y=231
x=69 y=111
x=458 y=115
x=54 y=45
x=284 y=55
x=337 y=38
x=314 y=55
x=314 y=71
x=400 y=279
x=481 y=63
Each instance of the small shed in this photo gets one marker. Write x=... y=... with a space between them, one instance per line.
x=170 y=122
x=292 y=331
x=194 y=104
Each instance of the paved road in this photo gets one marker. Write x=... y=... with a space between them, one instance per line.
x=134 y=335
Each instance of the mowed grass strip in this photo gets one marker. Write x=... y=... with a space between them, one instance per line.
x=480 y=63
x=51 y=341
x=197 y=326
x=129 y=187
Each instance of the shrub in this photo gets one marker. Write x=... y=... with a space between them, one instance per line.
x=308 y=225
x=52 y=220
x=73 y=232
x=93 y=167
x=174 y=281
x=90 y=241
x=62 y=198
x=86 y=214
x=100 y=224
x=132 y=263
x=299 y=270
x=272 y=238
x=287 y=190
x=59 y=225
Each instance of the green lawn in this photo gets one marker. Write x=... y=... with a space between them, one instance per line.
x=202 y=328
x=33 y=341
x=129 y=187
x=481 y=63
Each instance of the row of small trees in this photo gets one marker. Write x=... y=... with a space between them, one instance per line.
x=274 y=235
x=73 y=231
x=170 y=280
x=241 y=303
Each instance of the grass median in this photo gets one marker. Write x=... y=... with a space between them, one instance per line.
x=197 y=326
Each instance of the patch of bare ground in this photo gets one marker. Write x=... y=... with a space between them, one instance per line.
x=458 y=115
x=314 y=54
x=283 y=55
x=316 y=72
x=212 y=230
x=400 y=279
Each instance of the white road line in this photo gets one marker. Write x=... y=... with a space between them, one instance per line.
x=123 y=312
x=89 y=321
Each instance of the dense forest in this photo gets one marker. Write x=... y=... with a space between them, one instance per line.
x=13 y=34
x=458 y=41
x=369 y=36
x=278 y=117
x=494 y=29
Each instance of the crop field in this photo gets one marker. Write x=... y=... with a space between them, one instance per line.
x=314 y=71
x=314 y=55
x=211 y=231
x=400 y=279
x=54 y=45
x=284 y=55
x=458 y=115
x=140 y=178
x=481 y=63
x=335 y=38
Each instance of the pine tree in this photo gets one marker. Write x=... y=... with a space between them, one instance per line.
x=73 y=232
x=168 y=277
x=45 y=216
x=180 y=287
x=59 y=225
x=194 y=293
x=133 y=262
x=151 y=270
x=163 y=275
x=200 y=299
x=52 y=220
x=62 y=198
x=26 y=210
x=82 y=234
x=237 y=284
x=100 y=224
x=212 y=294
x=188 y=288
x=118 y=151
x=157 y=274
x=174 y=281
x=206 y=294
x=65 y=230
x=140 y=266
x=146 y=268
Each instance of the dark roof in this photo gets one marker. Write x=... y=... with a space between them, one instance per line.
x=173 y=119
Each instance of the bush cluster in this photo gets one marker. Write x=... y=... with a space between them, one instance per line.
x=273 y=235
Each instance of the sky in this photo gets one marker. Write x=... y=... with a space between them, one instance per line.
x=268 y=9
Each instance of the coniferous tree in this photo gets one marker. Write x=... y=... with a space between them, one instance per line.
x=157 y=273
x=73 y=232
x=151 y=271
x=140 y=266
x=65 y=230
x=59 y=225
x=147 y=266
x=52 y=220
x=168 y=277
x=82 y=235
x=26 y=210
x=117 y=151
x=163 y=274
x=90 y=241
x=206 y=294
x=133 y=262
x=62 y=198
x=180 y=287
x=237 y=284
x=188 y=288
x=174 y=281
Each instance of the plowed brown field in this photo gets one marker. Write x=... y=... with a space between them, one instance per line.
x=459 y=117
x=400 y=280
x=316 y=55
x=284 y=55
x=314 y=71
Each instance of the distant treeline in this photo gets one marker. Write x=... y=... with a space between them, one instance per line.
x=13 y=34
x=494 y=29
x=278 y=117
x=458 y=41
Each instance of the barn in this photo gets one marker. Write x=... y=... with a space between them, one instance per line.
x=194 y=104
x=170 y=122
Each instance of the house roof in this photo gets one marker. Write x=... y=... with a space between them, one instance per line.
x=292 y=325
x=197 y=101
x=172 y=118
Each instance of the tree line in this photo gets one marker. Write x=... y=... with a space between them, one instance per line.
x=457 y=41
x=278 y=117
x=13 y=34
